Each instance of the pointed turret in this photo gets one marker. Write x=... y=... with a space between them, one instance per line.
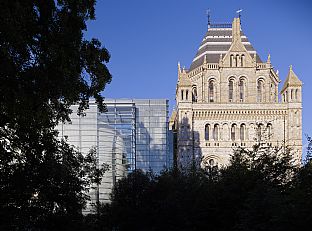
x=292 y=80
x=291 y=91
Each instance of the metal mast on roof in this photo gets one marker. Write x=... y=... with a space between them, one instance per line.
x=208 y=16
x=239 y=14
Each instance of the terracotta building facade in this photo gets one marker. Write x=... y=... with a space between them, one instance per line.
x=230 y=98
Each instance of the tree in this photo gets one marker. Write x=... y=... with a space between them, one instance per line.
x=46 y=66
x=249 y=194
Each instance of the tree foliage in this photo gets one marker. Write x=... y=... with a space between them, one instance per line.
x=261 y=189
x=46 y=66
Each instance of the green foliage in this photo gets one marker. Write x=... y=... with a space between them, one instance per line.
x=46 y=66
x=261 y=189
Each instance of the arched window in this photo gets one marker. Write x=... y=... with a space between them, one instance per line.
x=269 y=128
x=211 y=88
x=243 y=60
x=286 y=96
x=194 y=94
x=207 y=128
x=186 y=95
x=260 y=132
x=237 y=61
x=233 y=128
x=182 y=94
x=241 y=90
x=260 y=92
x=292 y=94
x=296 y=94
x=231 y=89
x=211 y=162
x=242 y=132
x=216 y=132
x=231 y=60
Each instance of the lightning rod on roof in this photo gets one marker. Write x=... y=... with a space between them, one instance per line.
x=208 y=16
x=239 y=13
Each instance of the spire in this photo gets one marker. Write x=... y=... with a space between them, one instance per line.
x=179 y=67
x=236 y=30
x=292 y=80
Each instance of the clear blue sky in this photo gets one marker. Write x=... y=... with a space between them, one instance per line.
x=147 y=38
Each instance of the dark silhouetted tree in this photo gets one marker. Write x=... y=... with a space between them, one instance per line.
x=46 y=66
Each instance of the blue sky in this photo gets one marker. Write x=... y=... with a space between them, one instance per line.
x=147 y=38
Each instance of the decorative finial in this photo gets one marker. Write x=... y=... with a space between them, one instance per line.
x=205 y=59
x=290 y=67
x=277 y=72
x=208 y=17
x=179 y=67
x=221 y=59
x=269 y=59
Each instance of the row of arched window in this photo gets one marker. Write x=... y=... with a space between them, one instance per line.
x=294 y=95
x=184 y=97
x=215 y=132
x=234 y=132
x=237 y=60
x=242 y=87
x=242 y=84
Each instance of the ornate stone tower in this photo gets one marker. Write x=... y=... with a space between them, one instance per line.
x=229 y=98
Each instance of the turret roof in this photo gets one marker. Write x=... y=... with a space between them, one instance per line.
x=218 y=40
x=292 y=80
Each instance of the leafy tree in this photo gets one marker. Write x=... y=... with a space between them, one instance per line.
x=46 y=66
x=249 y=194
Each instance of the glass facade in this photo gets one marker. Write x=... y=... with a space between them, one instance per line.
x=152 y=140
x=132 y=134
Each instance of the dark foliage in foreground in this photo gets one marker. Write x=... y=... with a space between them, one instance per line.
x=46 y=66
x=260 y=190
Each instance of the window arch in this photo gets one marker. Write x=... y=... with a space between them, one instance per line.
x=233 y=131
x=242 y=132
x=260 y=131
x=207 y=128
x=260 y=91
x=182 y=94
x=243 y=60
x=296 y=95
x=231 y=90
x=211 y=91
x=186 y=94
x=194 y=94
x=231 y=60
x=216 y=132
x=237 y=61
x=269 y=128
x=242 y=89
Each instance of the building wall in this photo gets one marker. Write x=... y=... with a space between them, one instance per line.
x=219 y=98
x=132 y=134
x=152 y=140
